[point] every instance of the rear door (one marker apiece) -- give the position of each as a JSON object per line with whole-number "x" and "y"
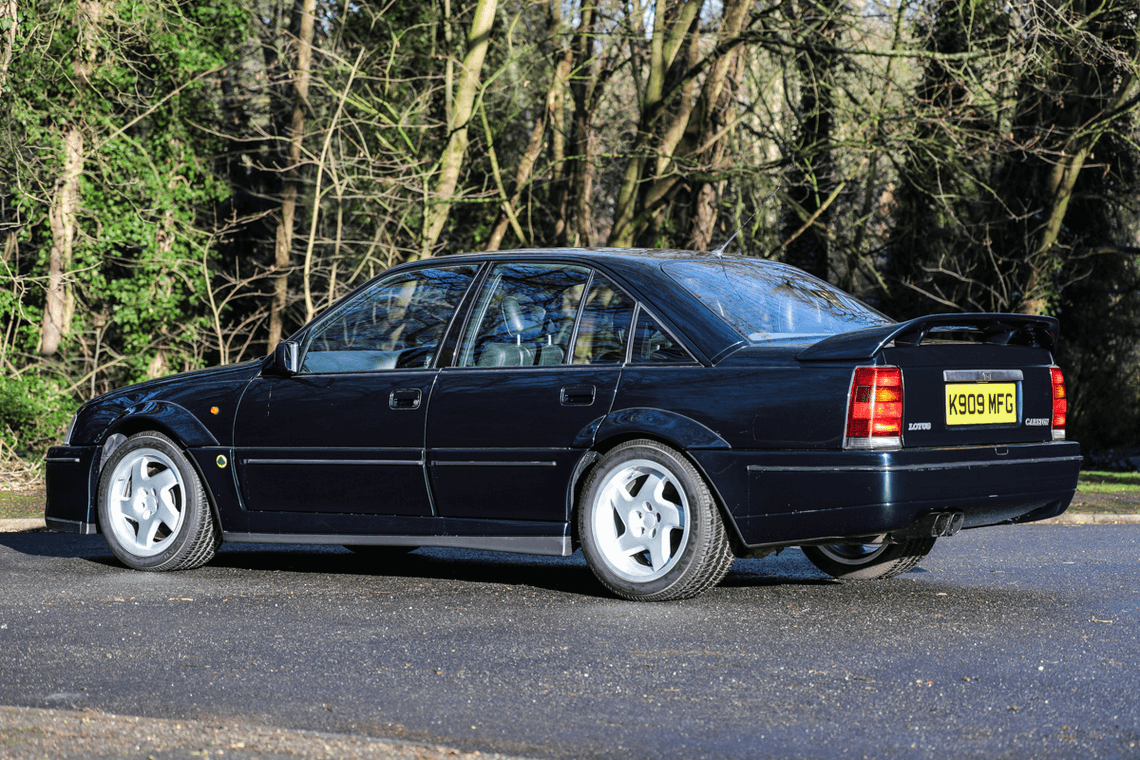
{"x": 537, "y": 366}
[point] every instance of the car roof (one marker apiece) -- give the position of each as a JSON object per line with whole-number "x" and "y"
{"x": 632, "y": 255}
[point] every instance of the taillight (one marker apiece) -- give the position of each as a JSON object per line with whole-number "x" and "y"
{"x": 875, "y": 409}
{"x": 1060, "y": 404}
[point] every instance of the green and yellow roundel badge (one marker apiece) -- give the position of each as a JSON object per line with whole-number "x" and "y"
{"x": 222, "y": 461}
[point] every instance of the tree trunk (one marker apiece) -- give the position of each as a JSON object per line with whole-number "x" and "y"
{"x": 8, "y": 30}
{"x": 551, "y": 114}
{"x": 575, "y": 222}
{"x": 1062, "y": 181}
{"x": 451, "y": 163}
{"x": 813, "y": 175}
{"x": 283, "y": 245}
{"x": 59, "y": 300}
{"x": 679, "y": 123}
{"x": 58, "y": 305}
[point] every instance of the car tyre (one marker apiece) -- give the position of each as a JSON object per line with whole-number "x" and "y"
{"x": 857, "y": 562}
{"x": 152, "y": 506}
{"x": 649, "y": 526}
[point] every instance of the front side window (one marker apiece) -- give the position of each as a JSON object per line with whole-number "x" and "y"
{"x": 395, "y": 324}
{"x": 767, "y": 302}
{"x": 524, "y": 317}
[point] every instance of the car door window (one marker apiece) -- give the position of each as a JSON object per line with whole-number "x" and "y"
{"x": 653, "y": 344}
{"x": 395, "y": 324}
{"x": 604, "y": 327}
{"x": 524, "y": 317}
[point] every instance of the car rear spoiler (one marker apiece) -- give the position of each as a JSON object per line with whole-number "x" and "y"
{"x": 994, "y": 329}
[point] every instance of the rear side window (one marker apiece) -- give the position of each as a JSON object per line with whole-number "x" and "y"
{"x": 768, "y": 302}
{"x": 524, "y": 316}
{"x": 604, "y": 328}
{"x": 653, "y": 344}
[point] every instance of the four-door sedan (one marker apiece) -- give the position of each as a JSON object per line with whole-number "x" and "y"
{"x": 665, "y": 411}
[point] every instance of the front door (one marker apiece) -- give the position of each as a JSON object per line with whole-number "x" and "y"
{"x": 346, "y": 433}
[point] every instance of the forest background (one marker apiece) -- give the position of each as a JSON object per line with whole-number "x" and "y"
{"x": 185, "y": 182}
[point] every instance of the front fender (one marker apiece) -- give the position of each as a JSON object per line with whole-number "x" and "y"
{"x": 164, "y": 416}
{"x": 73, "y": 471}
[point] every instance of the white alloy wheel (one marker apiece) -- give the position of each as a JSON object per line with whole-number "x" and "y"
{"x": 856, "y": 562}
{"x": 145, "y": 499}
{"x": 854, "y": 555}
{"x": 152, "y": 506}
{"x": 641, "y": 520}
{"x": 649, "y": 527}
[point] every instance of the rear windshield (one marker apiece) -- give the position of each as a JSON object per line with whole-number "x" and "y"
{"x": 768, "y": 302}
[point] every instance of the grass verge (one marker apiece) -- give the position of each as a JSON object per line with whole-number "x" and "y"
{"x": 21, "y": 504}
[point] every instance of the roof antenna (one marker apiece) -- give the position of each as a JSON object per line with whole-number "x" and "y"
{"x": 720, "y": 249}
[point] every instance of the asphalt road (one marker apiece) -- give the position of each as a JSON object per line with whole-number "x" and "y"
{"x": 1006, "y": 643}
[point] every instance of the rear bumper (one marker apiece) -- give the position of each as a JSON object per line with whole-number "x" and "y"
{"x": 805, "y": 496}
{"x": 70, "y": 508}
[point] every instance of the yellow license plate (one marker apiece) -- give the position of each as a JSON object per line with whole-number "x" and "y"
{"x": 981, "y": 403}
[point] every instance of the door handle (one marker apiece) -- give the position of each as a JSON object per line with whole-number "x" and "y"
{"x": 405, "y": 398}
{"x": 577, "y": 395}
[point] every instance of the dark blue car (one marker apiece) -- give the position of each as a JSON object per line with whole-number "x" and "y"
{"x": 665, "y": 411}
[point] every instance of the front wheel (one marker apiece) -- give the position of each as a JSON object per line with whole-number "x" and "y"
{"x": 649, "y": 527}
{"x": 153, "y": 508}
{"x": 855, "y": 562}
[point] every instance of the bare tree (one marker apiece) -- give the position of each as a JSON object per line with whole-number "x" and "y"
{"x": 283, "y": 249}
{"x": 461, "y": 97}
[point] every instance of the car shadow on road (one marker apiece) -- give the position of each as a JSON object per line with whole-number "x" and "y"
{"x": 45, "y": 543}
{"x": 562, "y": 574}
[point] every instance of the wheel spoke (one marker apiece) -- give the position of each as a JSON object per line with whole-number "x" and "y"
{"x": 162, "y": 481}
{"x": 138, "y": 474}
{"x": 629, "y": 544}
{"x": 651, "y": 489}
{"x": 148, "y": 528}
{"x": 167, "y": 510}
{"x": 661, "y": 549}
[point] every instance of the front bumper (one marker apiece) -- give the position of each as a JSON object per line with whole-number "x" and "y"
{"x": 70, "y": 486}
{"x": 793, "y": 497}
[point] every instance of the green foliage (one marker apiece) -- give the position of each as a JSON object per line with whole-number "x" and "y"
{"x": 34, "y": 411}
{"x": 136, "y": 83}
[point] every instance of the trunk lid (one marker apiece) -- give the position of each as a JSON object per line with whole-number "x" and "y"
{"x": 968, "y": 379}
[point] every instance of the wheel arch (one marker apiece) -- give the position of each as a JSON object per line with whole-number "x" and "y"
{"x": 679, "y": 433}
{"x": 172, "y": 421}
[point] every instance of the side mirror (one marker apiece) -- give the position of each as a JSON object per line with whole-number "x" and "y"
{"x": 287, "y": 357}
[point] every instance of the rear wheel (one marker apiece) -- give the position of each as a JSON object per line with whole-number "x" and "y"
{"x": 869, "y": 561}
{"x": 649, "y": 527}
{"x": 153, "y": 508}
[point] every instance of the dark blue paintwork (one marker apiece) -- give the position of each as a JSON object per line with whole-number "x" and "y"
{"x": 494, "y": 457}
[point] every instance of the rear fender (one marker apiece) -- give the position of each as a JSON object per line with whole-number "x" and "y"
{"x": 674, "y": 429}
{"x": 669, "y": 427}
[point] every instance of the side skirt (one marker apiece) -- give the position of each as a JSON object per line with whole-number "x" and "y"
{"x": 555, "y": 546}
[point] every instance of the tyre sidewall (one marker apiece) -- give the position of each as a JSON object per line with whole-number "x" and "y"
{"x": 699, "y": 501}
{"x": 194, "y": 505}
{"x": 895, "y": 560}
